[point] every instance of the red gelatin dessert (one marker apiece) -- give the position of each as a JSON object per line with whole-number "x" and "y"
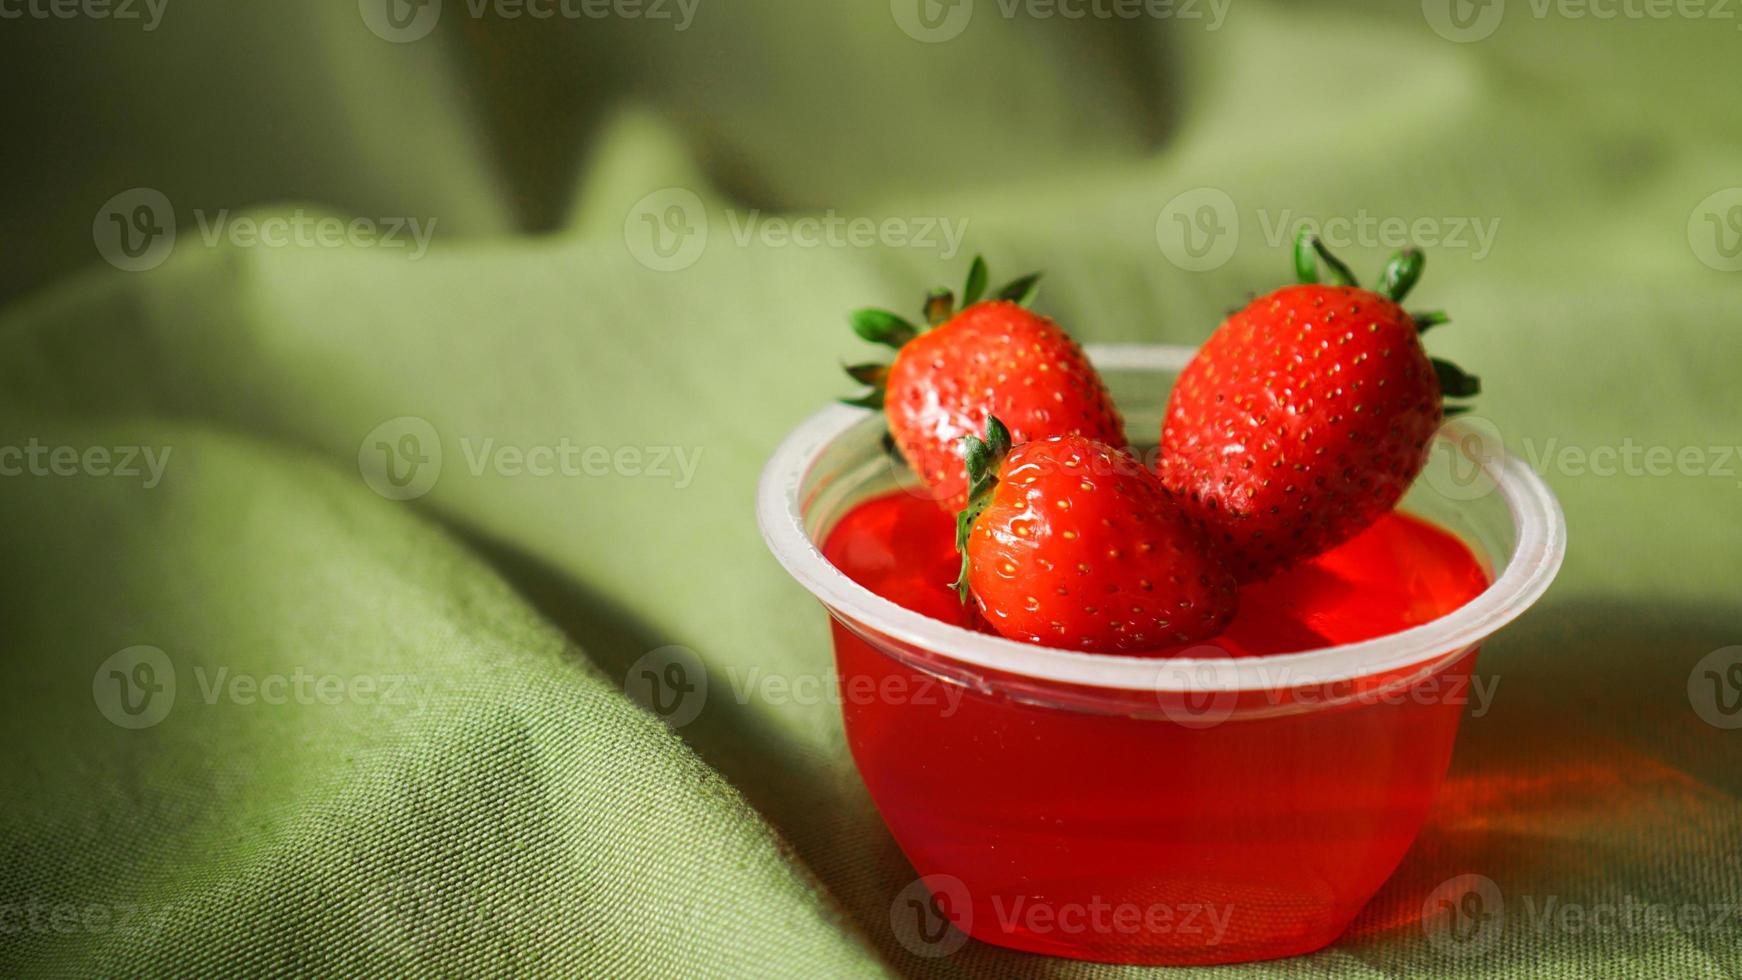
{"x": 1134, "y": 839}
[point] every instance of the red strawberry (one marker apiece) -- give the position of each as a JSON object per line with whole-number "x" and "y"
{"x": 1306, "y": 415}
{"x": 994, "y": 357}
{"x": 1072, "y": 543}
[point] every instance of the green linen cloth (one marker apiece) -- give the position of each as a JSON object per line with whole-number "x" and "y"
{"x": 260, "y": 715}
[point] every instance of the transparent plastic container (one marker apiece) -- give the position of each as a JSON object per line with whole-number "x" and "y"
{"x": 1190, "y": 810}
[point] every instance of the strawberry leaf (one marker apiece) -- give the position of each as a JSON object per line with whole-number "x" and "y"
{"x": 1427, "y": 321}
{"x": 939, "y": 306}
{"x": 981, "y": 458}
{"x": 1454, "y": 383}
{"x": 976, "y": 285}
{"x": 1401, "y": 274}
{"x": 1306, "y": 260}
{"x": 882, "y": 327}
{"x": 873, "y": 374}
{"x": 867, "y": 374}
{"x": 872, "y": 400}
{"x": 1339, "y": 273}
{"x": 1309, "y": 251}
{"x": 1021, "y": 291}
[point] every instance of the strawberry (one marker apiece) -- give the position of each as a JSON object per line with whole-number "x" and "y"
{"x": 1070, "y": 542}
{"x": 992, "y": 357}
{"x": 1307, "y": 414}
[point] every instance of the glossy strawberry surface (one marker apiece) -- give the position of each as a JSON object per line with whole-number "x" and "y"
{"x": 1080, "y": 547}
{"x": 1301, "y": 420}
{"x": 993, "y": 358}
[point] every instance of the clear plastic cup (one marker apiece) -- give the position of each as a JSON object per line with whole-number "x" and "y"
{"x": 1190, "y": 810}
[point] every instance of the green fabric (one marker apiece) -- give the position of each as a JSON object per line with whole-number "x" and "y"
{"x": 507, "y": 807}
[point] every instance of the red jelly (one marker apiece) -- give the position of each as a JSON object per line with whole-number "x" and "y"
{"x": 1119, "y": 832}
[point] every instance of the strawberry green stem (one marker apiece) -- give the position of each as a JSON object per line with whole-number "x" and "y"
{"x": 867, "y": 374}
{"x": 1309, "y": 251}
{"x": 872, "y": 400}
{"x": 1021, "y": 291}
{"x": 892, "y": 331}
{"x": 940, "y": 305}
{"x": 982, "y": 458}
{"x": 882, "y": 327}
{"x": 1427, "y": 321}
{"x": 1454, "y": 383}
{"x": 1401, "y": 274}
{"x": 873, "y": 374}
{"x": 1339, "y": 274}
{"x": 1306, "y": 260}
{"x": 976, "y": 284}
